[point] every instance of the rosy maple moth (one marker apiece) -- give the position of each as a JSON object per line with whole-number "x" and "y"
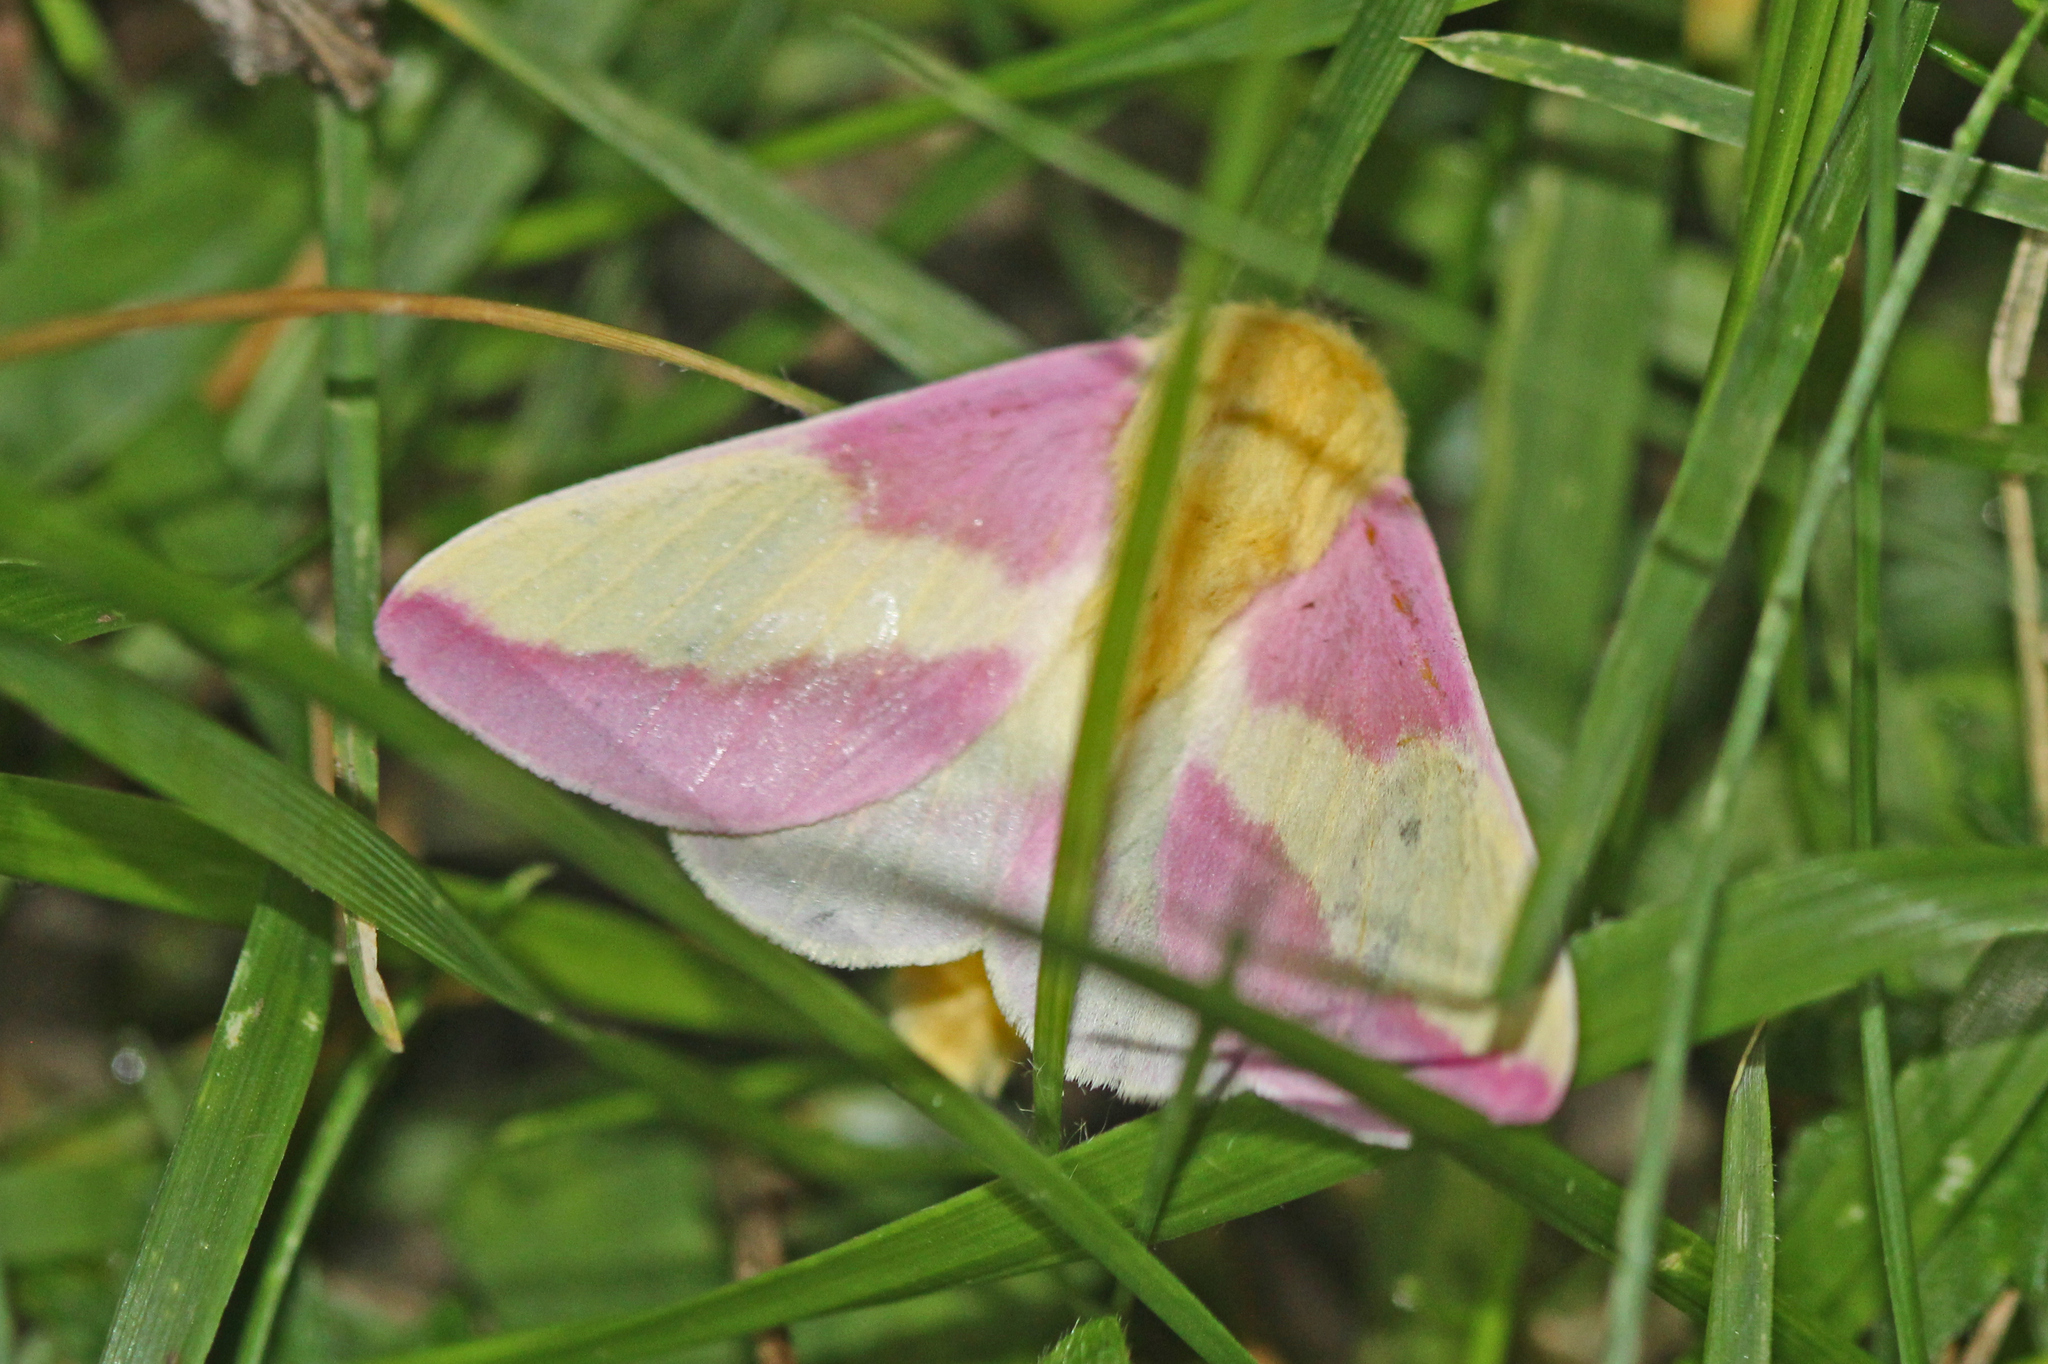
{"x": 844, "y": 661}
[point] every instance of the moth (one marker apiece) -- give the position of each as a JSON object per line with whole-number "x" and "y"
{"x": 844, "y": 661}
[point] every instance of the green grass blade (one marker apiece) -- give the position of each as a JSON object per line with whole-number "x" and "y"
{"x": 1800, "y": 934}
{"x": 80, "y": 43}
{"x": 34, "y": 601}
{"x": 1976, "y": 73}
{"x": 345, "y": 1107}
{"x": 351, "y": 444}
{"x": 1745, "y": 1248}
{"x": 1737, "y": 422}
{"x": 219, "y": 1177}
{"x": 2020, "y": 449}
{"x": 1252, "y": 1155}
{"x": 124, "y": 847}
{"x": 1771, "y": 167}
{"x": 1303, "y": 188}
{"x": 1710, "y": 109}
{"x": 1960, "y": 1111}
{"x": 1787, "y": 937}
{"x": 475, "y": 165}
{"x": 1197, "y": 34}
{"x": 1239, "y": 138}
{"x": 1641, "y": 1213}
{"x": 1427, "y": 318}
{"x": 1566, "y": 377}
{"x": 1553, "y": 1184}
{"x": 1099, "y": 1340}
{"x": 1880, "y": 1104}
{"x": 1888, "y": 1175}
{"x": 243, "y": 791}
{"x": 921, "y": 324}
{"x": 615, "y": 853}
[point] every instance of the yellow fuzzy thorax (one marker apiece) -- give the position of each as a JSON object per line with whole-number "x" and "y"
{"x": 1291, "y": 426}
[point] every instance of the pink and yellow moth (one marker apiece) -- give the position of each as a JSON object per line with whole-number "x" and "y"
{"x": 844, "y": 661}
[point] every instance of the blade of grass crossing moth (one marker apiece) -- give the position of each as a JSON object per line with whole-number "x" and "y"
{"x": 1702, "y": 107}
{"x": 219, "y": 1178}
{"x": 1563, "y": 387}
{"x": 1738, "y": 419}
{"x": 1745, "y": 1246}
{"x": 1431, "y": 320}
{"x": 1553, "y": 1184}
{"x": 1239, "y": 140}
{"x": 338, "y": 1121}
{"x": 1880, "y": 1103}
{"x": 1787, "y": 937}
{"x": 354, "y": 504}
{"x": 1179, "y": 1123}
{"x": 1303, "y": 187}
{"x": 1636, "y": 1236}
{"x": 921, "y": 324}
{"x": 616, "y": 854}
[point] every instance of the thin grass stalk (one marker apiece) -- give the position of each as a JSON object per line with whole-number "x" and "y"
{"x": 345, "y": 1109}
{"x": 1641, "y": 1211}
{"x": 1880, "y": 1104}
{"x": 1973, "y": 71}
{"x": 350, "y": 430}
{"x": 1242, "y": 138}
{"x": 1177, "y": 1125}
{"x": 1178, "y": 1128}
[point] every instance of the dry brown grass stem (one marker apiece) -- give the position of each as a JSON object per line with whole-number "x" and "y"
{"x": 255, "y": 305}
{"x": 2012, "y": 343}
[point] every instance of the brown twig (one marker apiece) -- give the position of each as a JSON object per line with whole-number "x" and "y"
{"x": 756, "y": 1198}
{"x": 1990, "y": 1332}
{"x": 2012, "y": 343}
{"x": 254, "y": 305}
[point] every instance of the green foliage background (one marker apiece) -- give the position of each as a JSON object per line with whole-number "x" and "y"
{"x": 1621, "y": 341}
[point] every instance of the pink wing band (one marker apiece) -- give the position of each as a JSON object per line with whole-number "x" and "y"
{"x": 1012, "y": 461}
{"x": 790, "y": 745}
{"x": 1365, "y": 641}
